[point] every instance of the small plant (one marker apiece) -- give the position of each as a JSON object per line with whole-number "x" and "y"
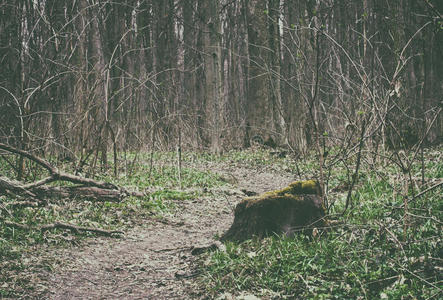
{"x": 367, "y": 254}
{"x": 21, "y": 226}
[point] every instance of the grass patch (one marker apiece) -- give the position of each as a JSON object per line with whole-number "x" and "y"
{"x": 19, "y": 247}
{"x": 377, "y": 250}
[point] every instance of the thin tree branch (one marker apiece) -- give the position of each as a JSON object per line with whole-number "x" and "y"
{"x": 61, "y": 225}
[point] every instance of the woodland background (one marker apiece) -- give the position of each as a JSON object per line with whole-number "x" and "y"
{"x": 84, "y": 77}
{"x": 167, "y": 94}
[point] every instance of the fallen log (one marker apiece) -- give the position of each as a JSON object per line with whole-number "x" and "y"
{"x": 40, "y": 191}
{"x": 295, "y": 208}
{"x": 42, "y": 194}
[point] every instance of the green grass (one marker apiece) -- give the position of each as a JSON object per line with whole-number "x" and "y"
{"x": 372, "y": 252}
{"x": 163, "y": 187}
{"x": 368, "y": 253}
{"x": 345, "y": 264}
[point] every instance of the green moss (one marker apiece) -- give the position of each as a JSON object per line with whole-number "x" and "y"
{"x": 293, "y": 192}
{"x": 292, "y": 209}
{"x": 305, "y": 187}
{"x": 271, "y": 196}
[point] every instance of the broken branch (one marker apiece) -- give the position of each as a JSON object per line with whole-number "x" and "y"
{"x": 61, "y": 225}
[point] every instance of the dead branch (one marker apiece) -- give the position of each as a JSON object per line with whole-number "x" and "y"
{"x": 61, "y": 225}
{"x": 84, "y": 188}
{"x": 426, "y": 191}
{"x": 56, "y": 174}
{"x": 22, "y": 204}
{"x": 8, "y": 186}
{"x": 28, "y": 155}
{"x": 16, "y": 189}
{"x": 80, "y": 228}
{"x": 5, "y": 209}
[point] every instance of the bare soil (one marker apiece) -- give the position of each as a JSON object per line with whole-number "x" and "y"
{"x": 154, "y": 261}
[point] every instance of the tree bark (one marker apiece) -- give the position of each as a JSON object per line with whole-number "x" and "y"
{"x": 213, "y": 67}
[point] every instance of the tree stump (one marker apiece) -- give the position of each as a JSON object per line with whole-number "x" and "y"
{"x": 295, "y": 208}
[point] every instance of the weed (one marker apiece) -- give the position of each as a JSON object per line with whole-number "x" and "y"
{"x": 375, "y": 251}
{"x": 160, "y": 183}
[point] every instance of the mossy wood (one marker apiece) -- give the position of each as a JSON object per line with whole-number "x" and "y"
{"x": 297, "y": 207}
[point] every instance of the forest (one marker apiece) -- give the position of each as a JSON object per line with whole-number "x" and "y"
{"x": 132, "y": 131}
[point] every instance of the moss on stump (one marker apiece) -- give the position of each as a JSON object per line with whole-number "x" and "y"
{"x": 297, "y": 207}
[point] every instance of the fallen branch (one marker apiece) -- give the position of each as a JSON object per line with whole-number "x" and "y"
{"x": 56, "y": 174}
{"x": 4, "y": 208}
{"x": 8, "y": 186}
{"x": 22, "y": 204}
{"x": 424, "y": 192}
{"x": 428, "y": 190}
{"x": 40, "y": 190}
{"x": 30, "y": 156}
{"x": 61, "y": 225}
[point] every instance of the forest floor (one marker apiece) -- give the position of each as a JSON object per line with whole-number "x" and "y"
{"x": 154, "y": 260}
{"x": 380, "y": 249}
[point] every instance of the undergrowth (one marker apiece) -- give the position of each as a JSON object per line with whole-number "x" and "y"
{"x": 376, "y": 250}
{"x": 160, "y": 181}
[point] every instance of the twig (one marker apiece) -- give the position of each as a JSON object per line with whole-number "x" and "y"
{"x": 361, "y": 285}
{"x": 229, "y": 203}
{"x": 357, "y": 165}
{"x": 64, "y": 226}
{"x": 393, "y": 237}
{"x": 17, "y": 225}
{"x": 424, "y": 192}
{"x": 80, "y": 228}
{"x": 3, "y": 207}
{"x": 10, "y": 187}
{"x": 39, "y": 183}
{"x": 425, "y": 217}
{"x": 427, "y": 190}
{"x": 22, "y": 204}
{"x": 88, "y": 187}
{"x": 420, "y": 278}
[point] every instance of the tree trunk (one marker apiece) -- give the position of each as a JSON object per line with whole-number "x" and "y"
{"x": 213, "y": 78}
{"x": 274, "y": 60}
{"x": 258, "y": 117}
{"x": 101, "y": 88}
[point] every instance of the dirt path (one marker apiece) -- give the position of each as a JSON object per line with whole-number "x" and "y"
{"x": 155, "y": 261}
